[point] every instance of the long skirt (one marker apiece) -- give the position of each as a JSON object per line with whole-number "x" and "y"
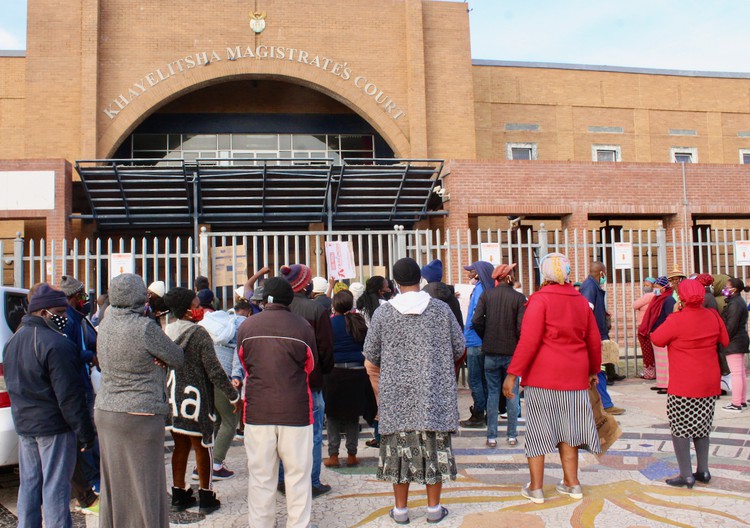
{"x": 690, "y": 417}
{"x": 555, "y": 416}
{"x": 133, "y": 478}
{"x": 647, "y": 351}
{"x": 662, "y": 367}
{"x": 424, "y": 457}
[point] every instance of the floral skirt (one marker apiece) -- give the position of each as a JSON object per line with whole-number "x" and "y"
{"x": 424, "y": 457}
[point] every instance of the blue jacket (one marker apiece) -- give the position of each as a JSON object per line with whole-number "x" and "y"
{"x": 43, "y": 377}
{"x": 486, "y": 283}
{"x": 594, "y": 294}
{"x": 82, "y": 333}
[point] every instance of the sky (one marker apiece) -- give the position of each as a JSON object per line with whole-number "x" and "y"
{"x": 703, "y": 35}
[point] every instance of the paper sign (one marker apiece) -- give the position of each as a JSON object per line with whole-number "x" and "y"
{"x": 120, "y": 263}
{"x": 623, "y": 255}
{"x": 490, "y": 252}
{"x": 742, "y": 252}
{"x": 228, "y": 271}
{"x": 340, "y": 260}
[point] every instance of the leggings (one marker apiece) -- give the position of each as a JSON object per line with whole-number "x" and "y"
{"x": 739, "y": 380}
{"x": 203, "y": 459}
{"x": 647, "y": 351}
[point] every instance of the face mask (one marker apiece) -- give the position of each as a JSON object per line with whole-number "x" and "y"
{"x": 602, "y": 281}
{"x": 57, "y": 322}
{"x": 657, "y": 291}
{"x": 647, "y": 289}
{"x": 727, "y": 292}
{"x": 196, "y": 314}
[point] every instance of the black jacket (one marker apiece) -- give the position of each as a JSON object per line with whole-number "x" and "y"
{"x": 440, "y": 290}
{"x": 735, "y": 319}
{"x": 43, "y": 375}
{"x": 497, "y": 319}
{"x": 320, "y": 320}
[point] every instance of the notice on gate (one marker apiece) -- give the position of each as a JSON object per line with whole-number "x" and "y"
{"x": 228, "y": 271}
{"x": 742, "y": 252}
{"x": 120, "y": 263}
{"x": 623, "y": 255}
{"x": 340, "y": 260}
{"x": 490, "y": 252}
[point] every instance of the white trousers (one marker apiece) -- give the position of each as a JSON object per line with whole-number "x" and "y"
{"x": 265, "y": 446}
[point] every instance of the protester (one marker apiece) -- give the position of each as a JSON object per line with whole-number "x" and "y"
{"x": 102, "y": 303}
{"x": 557, "y": 358}
{"x": 415, "y": 339}
{"x": 376, "y": 288}
{"x": 206, "y": 300}
{"x": 299, "y": 277}
{"x": 675, "y": 277}
{"x": 691, "y": 336}
{"x": 42, "y": 372}
{"x": 735, "y": 319}
{"x": 201, "y": 283}
{"x": 357, "y": 289}
{"x": 647, "y": 351}
{"x": 480, "y": 276}
{"x": 130, "y": 409}
{"x": 278, "y": 352}
{"x": 347, "y": 385}
{"x": 658, "y": 309}
{"x": 155, "y": 299}
{"x": 242, "y": 308}
{"x": 433, "y": 274}
{"x": 191, "y": 396}
{"x": 321, "y": 292}
{"x": 709, "y": 301}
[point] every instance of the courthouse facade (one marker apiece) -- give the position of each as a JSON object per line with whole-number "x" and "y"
{"x": 171, "y": 84}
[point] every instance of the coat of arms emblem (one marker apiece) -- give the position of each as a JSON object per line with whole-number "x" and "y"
{"x": 258, "y": 21}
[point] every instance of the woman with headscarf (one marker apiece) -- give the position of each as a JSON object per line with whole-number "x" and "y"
{"x": 557, "y": 358}
{"x": 658, "y": 309}
{"x": 691, "y": 335}
{"x": 641, "y": 307}
{"x": 735, "y": 319}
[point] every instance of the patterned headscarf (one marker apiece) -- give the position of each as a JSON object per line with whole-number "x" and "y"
{"x": 662, "y": 281}
{"x": 339, "y": 286}
{"x": 555, "y": 267}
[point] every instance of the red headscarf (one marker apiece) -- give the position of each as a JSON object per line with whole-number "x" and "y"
{"x": 705, "y": 279}
{"x": 691, "y": 292}
{"x": 654, "y": 310}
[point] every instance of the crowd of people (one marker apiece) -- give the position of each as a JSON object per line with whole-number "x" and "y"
{"x": 92, "y": 390}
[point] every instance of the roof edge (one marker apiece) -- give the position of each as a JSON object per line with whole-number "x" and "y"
{"x": 12, "y": 53}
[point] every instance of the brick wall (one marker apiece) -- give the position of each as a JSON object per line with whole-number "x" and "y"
{"x": 12, "y": 106}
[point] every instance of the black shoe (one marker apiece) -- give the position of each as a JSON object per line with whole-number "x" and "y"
{"x": 372, "y": 443}
{"x": 322, "y": 489}
{"x": 610, "y": 382}
{"x": 182, "y": 499}
{"x": 704, "y": 477}
{"x": 208, "y": 502}
{"x": 281, "y": 488}
{"x": 476, "y": 421}
{"x": 661, "y": 391}
{"x": 680, "y": 481}
{"x": 655, "y": 388}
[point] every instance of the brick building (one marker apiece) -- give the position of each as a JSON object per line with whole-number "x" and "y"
{"x": 568, "y": 145}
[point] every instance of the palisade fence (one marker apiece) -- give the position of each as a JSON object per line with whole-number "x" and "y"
{"x": 178, "y": 260}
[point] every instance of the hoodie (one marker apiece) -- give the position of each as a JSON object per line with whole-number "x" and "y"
{"x": 222, "y": 327}
{"x": 719, "y": 282}
{"x": 486, "y": 282}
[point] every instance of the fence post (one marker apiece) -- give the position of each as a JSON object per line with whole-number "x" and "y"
{"x": 400, "y": 242}
{"x": 204, "y": 254}
{"x": 18, "y": 261}
{"x": 543, "y": 244}
{"x": 661, "y": 249}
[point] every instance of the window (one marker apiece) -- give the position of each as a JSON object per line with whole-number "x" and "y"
{"x": 745, "y": 156}
{"x": 520, "y": 151}
{"x": 605, "y": 153}
{"x": 683, "y": 154}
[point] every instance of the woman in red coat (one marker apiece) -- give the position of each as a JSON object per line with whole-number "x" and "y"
{"x": 691, "y": 336}
{"x": 557, "y": 358}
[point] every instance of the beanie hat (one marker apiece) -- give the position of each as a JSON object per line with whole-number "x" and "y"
{"x": 297, "y": 275}
{"x": 340, "y": 286}
{"x": 502, "y": 271}
{"x": 70, "y": 286}
{"x": 662, "y": 281}
{"x": 705, "y": 279}
{"x": 357, "y": 289}
{"x": 433, "y": 272}
{"x": 158, "y": 288}
{"x": 206, "y": 297}
{"x": 320, "y": 285}
{"x": 278, "y": 290}
{"x": 179, "y": 300}
{"x": 127, "y": 290}
{"x": 47, "y": 297}
{"x": 406, "y": 272}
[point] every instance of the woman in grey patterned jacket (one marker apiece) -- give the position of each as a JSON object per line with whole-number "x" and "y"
{"x": 415, "y": 340}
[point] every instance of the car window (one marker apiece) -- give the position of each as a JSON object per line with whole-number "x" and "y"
{"x": 15, "y": 309}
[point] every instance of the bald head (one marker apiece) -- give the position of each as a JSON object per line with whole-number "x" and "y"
{"x": 597, "y": 270}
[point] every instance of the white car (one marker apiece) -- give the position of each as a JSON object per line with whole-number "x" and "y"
{"x": 13, "y": 304}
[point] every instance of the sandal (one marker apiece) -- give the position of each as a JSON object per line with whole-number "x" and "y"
{"x": 491, "y": 443}
{"x": 399, "y": 519}
{"x": 437, "y": 517}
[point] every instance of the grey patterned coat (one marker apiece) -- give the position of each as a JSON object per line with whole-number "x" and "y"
{"x": 416, "y": 355}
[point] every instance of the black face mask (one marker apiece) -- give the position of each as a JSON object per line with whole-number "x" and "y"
{"x": 57, "y": 322}
{"x": 158, "y": 306}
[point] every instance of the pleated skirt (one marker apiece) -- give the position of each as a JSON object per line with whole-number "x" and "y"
{"x": 555, "y": 416}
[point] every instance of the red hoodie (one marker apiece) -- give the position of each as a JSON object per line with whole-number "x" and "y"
{"x": 560, "y": 345}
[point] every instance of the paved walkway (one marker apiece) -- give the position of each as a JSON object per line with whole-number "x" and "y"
{"x": 624, "y": 488}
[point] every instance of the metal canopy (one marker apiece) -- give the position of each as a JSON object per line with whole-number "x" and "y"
{"x": 129, "y": 193}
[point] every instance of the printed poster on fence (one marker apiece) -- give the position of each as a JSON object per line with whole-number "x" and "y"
{"x": 742, "y": 252}
{"x": 623, "y": 255}
{"x": 228, "y": 271}
{"x": 490, "y": 252}
{"x": 340, "y": 260}
{"x": 120, "y": 263}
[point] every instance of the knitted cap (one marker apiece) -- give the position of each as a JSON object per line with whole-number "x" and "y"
{"x": 406, "y": 272}
{"x": 158, "y": 288}
{"x": 278, "y": 290}
{"x": 433, "y": 272}
{"x": 179, "y": 300}
{"x": 662, "y": 281}
{"x": 206, "y": 297}
{"x": 297, "y": 275}
{"x": 357, "y": 289}
{"x": 70, "y": 286}
{"x": 127, "y": 290}
{"x": 320, "y": 285}
{"x": 46, "y": 297}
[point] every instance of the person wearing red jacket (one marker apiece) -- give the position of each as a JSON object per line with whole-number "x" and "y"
{"x": 691, "y": 336}
{"x": 557, "y": 358}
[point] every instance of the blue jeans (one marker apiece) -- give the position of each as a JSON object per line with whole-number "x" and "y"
{"x": 46, "y": 466}
{"x": 602, "y": 388}
{"x": 495, "y": 370}
{"x": 319, "y": 413}
{"x": 477, "y": 381}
